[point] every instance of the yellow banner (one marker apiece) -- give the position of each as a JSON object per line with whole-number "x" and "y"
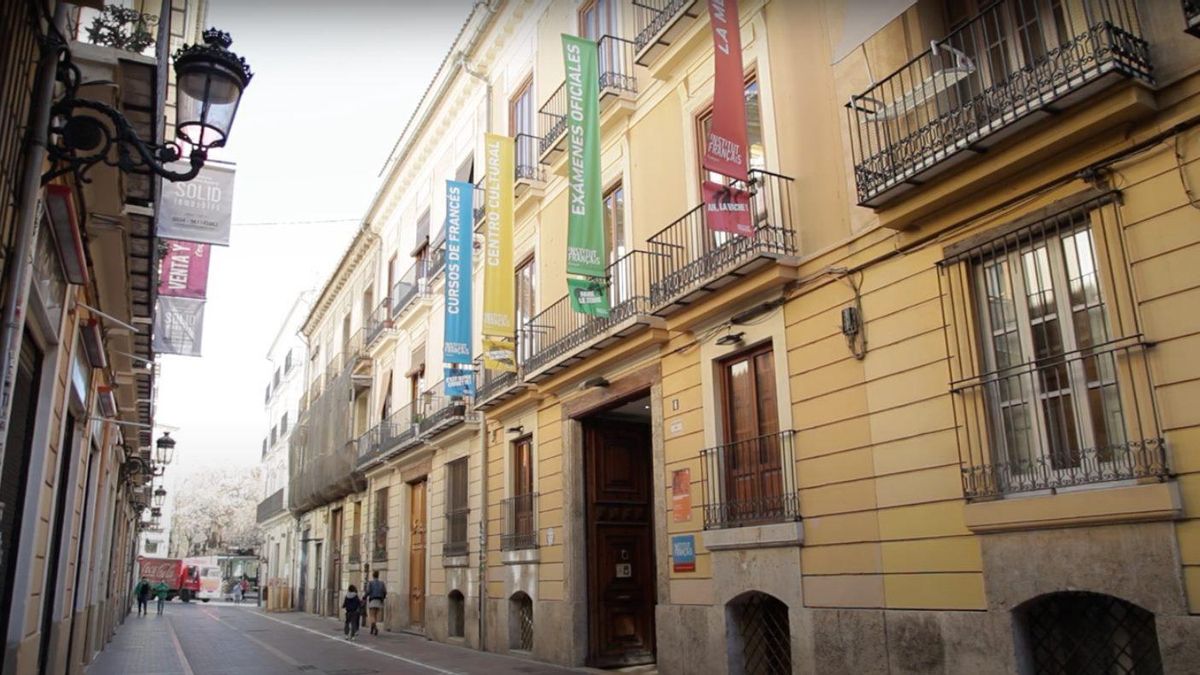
{"x": 498, "y": 282}
{"x": 499, "y": 354}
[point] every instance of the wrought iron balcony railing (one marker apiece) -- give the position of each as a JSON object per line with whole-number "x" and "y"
{"x": 379, "y": 550}
{"x": 271, "y": 506}
{"x": 492, "y": 386}
{"x": 658, "y": 23}
{"x": 437, "y": 412}
{"x": 527, "y": 168}
{"x": 559, "y": 335}
{"x": 1022, "y": 442}
{"x": 1191, "y": 16}
{"x": 974, "y": 87}
{"x": 690, "y": 259}
{"x": 395, "y": 434}
{"x": 617, "y": 78}
{"x": 519, "y": 529}
{"x": 377, "y": 324}
{"x": 750, "y": 482}
{"x": 456, "y": 543}
{"x": 417, "y": 280}
{"x": 334, "y": 368}
{"x": 479, "y": 203}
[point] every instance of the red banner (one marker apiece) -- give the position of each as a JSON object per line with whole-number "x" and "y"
{"x": 727, "y": 209}
{"x": 726, "y": 149}
{"x": 184, "y": 271}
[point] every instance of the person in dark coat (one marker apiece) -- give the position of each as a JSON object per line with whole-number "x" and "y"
{"x": 353, "y": 606}
{"x": 142, "y": 591}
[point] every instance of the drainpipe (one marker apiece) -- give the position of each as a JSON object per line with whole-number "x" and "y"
{"x": 483, "y": 453}
{"x": 28, "y": 217}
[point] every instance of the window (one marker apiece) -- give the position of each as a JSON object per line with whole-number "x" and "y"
{"x": 283, "y": 424}
{"x": 274, "y": 434}
{"x": 1052, "y": 388}
{"x": 421, "y": 245}
{"x": 346, "y": 346}
{"x": 1038, "y": 304}
{"x": 614, "y": 221}
{"x": 267, "y": 398}
{"x": 1009, "y": 36}
{"x": 456, "y": 508}
{"x": 379, "y": 552}
{"x": 754, "y": 132}
{"x": 522, "y": 466}
{"x": 752, "y": 458}
{"x": 275, "y": 381}
{"x": 520, "y": 126}
{"x": 368, "y": 304}
{"x": 597, "y": 18}
{"x": 356, "y": 534}
{"x": 287, "y": 362}
{"x": 526, "y": 292}
{"x": 151, "y": 547}
{"x": 466, "y": 170}
{"x": 519, "y": 531}
{"x": 391, "y": 279}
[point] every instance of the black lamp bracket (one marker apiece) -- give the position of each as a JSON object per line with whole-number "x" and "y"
{"x": 83, "y": 133}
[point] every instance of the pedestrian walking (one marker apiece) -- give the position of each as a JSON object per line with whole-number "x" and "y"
{"x": 245, "y": 584}
{"x": 353, "y": 606}
{"x": 160, "y": 594}
{"x": 376, "y": 591}
{"x": 142, "y": 591}
{"x": 236, "y": 590}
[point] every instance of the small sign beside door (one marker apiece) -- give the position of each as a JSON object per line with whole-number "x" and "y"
{"x": 683, "y": 553}
{"x": 624, "y": 570}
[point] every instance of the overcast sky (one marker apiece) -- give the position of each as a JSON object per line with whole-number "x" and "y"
{"x": 334, "y": 83}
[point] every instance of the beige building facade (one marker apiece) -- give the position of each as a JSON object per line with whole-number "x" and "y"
{"x": 934, "y": 416}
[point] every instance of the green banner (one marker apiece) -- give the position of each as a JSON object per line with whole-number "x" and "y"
{"x": 586, "y": 248}
{"x": 588, "y": 296}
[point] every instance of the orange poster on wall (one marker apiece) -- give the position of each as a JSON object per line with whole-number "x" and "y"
{"x": 681, "y": 495}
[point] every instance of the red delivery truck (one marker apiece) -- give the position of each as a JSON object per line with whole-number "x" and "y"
{"x": 181, "y": 579}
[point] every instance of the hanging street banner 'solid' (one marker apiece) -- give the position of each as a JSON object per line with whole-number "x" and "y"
{"x": 199, "y": 210}
{"x": 178, "y": 326}
{"x": 499, "y": 333}
{"x": 184, "y": 270}
{"x": 457, "y": 345}
{"x": 586, "y": 249}
{"x": 726, "y": 150}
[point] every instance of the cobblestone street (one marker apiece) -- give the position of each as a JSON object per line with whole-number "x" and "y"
{"x": 198, "y": 639}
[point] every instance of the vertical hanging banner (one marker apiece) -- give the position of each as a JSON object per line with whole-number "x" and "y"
{"x": 499, "y": 334}
{"x": 586, "y": 249}
{"x": 457, "y": 345}
{"x": 727, "y": 209}
{"x": 184, "y": 271}
{"x": 178, "y": 326}
{"x": 198, "y": 210}
{"x": 726, "y": 150}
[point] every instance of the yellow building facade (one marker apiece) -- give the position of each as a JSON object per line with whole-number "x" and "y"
{"x": 934, "y": 416}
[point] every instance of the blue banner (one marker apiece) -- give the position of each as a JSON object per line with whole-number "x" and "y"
{"x": 459, "y": 382}
{"x": 459, "y": 217}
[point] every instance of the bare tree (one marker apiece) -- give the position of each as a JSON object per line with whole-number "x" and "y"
{"x": 215, "y": 511}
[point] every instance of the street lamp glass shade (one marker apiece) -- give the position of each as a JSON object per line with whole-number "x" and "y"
{"x": 165, "y": 447}
{"x": 209, "y": 81}
{"x": 160, "y": 496}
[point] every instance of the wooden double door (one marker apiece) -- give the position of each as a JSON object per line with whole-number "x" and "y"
{"x": 416, "y": 553}
{"x": 620, "y": 542}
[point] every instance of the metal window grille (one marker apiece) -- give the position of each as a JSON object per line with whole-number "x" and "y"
{"x": 1052, "y": 386}
{"x": 520, "y": 528}
{"x": 765, "y": 633}
{"x": 522, "y": 615}
{"x": 1088, "y": 633}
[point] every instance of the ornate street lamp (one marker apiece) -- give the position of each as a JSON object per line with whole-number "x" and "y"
{"x": 165, "y": 447}
{"x": 210, "y": 80}
{"x": 160, "y": 496}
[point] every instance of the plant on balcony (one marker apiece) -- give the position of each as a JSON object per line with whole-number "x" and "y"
{"x": 122, "y": 28}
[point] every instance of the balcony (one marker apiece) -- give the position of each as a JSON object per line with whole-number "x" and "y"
{"x": 438, "y": 413}
{"x": 526, "y": 167}
{"x": 356, "y": 359}
{"x": 456, "y": 543}
{"x": 691, "y": 261}
{"x": 981, "y": 85}
{"x": 1024, "y": 448}
{"x": 271, "y": 507}
{"x": 1191, "y": 16}
{"x": 617, "y": 80}
{"x": 393, "y": 435}
{"x": 378, "y": 326}
{"x": 559, "y": 336}
{"x": 417, "y": 280}
{"x": 333, "y": 369}
{"x": 659, "y": 23}
{"x": 519, "y": 528}
{"x": 750, "y": 482}
{"x": 493, "y": 387}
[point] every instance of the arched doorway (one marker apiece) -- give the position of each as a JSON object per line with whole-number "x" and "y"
{"x": 1079, "y": 632}
{"x": 759, "y": 635}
